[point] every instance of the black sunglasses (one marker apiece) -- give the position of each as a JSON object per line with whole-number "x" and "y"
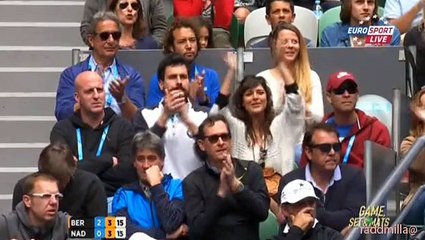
{"x": 341, "y": 90}
{"x": 105, "y": 35}
{"x": 134, "y": 5}
{"x": 327, "y": 147}
{"x": 214, "y": 138}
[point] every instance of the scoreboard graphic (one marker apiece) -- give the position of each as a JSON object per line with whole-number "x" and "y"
{"x": 97, "y": 228}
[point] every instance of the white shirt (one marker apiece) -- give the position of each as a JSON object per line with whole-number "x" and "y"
{"x": 180, "y": 157}
{"x": 336, "y": 177}
{"x": 396, "y": 8}
{"x": 278, "y": 90}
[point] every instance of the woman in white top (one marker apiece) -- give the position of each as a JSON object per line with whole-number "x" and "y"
{"x": 260, "y": 135}
{"x": 294, "y": 55}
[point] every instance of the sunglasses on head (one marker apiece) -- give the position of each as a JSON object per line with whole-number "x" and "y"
{"x": 134, "y": 5}
{"x": 327, "y": 147}
{"x": 214, "y": 138}
{"x": 105, "y": 35}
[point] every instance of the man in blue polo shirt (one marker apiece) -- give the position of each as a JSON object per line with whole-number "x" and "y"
{"x": 182, "y": 39}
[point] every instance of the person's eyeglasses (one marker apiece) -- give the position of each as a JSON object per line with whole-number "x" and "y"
{"x": 105, "y": 35}
{"x": 341, "y": 90}
{"x": 327, "y": 147}
{"x": 214, "y": 138}
{"x": 47, "y": 196}
{"x": 134, "y": 5}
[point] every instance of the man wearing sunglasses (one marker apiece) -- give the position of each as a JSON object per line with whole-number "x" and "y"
{"x": 341, "y": 188}
{"x": 153, "y": 15}
{"x": 225, "y": 199}
{"x": 182, "y": 38}
{"x": 36, "y": 216}
{"x": 353, "y": 125}
{"x": 104, "y": 33}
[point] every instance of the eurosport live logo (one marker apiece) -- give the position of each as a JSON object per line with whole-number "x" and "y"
{"x": 373, "y": 35}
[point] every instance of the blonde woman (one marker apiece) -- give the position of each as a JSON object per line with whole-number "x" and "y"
{"x": 288, "y": 46}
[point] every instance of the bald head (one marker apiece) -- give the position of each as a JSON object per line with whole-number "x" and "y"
{"x": 89, "y": 93}
{"x": 84, "y": 77}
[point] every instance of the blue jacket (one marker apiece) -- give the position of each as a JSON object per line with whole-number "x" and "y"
{"x": 211, "y": 83}
{"x": 161, "y": 214}
{"x": 336, "y": 35}
{"x": 65, "y": 94}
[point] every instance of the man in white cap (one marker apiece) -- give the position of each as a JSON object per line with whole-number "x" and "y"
{"x": 299, "y": 208}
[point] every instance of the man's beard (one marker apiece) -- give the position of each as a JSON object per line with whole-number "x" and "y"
{"x": 181, "y": 88}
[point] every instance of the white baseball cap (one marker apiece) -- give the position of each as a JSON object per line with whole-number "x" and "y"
{"x": 296, "y": 191}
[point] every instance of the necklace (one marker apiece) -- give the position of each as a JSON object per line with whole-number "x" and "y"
{"x": 262, "y": 153}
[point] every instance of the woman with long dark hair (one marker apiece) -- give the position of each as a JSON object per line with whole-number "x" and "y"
{"x": 135, "y": 34}
{"x": 262, "y": 135}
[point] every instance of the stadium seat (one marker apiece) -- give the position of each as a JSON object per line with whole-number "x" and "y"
{"x": 328, "y": 18}
{"x": 269, "y": 227}
{"x": 256, "y": 26}
{"x": 236, "y": 32}
{"x": 307, "y": 23}
{"x": 376, "y": 106}
{"x": 170, "y": 20}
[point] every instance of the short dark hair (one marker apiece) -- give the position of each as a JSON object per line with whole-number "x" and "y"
{"x": 57, "y": 160}
{"x": 269, "y": 5}
{"x": 148, "y": 140}
{"x": 308, "y": 136}
{"x": 31, "y": 179}
{"x": 172, "y": 59}
{"x": 208, "y": 122}
{"x": 177, "y": 24}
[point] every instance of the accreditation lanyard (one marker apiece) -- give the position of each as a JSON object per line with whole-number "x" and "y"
{"x": 349, "y": 147}
{"x": 99, "y": 148}
{"x": 107, "y": 79}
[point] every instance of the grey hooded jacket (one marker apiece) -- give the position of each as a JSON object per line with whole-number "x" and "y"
{"x": 15, "y": 225}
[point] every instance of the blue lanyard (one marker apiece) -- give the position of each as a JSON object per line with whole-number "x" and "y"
{"x": 99, "y": 148}
{"x": 114, "y": 71}
{"x": 349, "y": 147}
